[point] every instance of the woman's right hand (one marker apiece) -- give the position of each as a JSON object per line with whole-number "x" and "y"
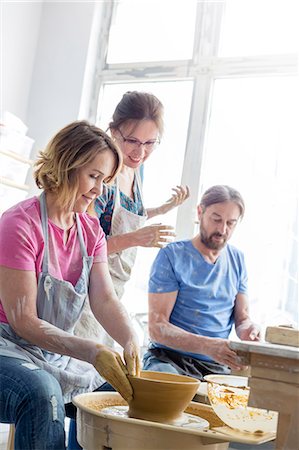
{"x": 156, "y": 235}
{"x": 110, "y": 365}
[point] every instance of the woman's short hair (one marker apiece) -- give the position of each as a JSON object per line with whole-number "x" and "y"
{"x": 220, "y": 194}
{"x": 74, "y": 146}
{"x": 135, "y": 106}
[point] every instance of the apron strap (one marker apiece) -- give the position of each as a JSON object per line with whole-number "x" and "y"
{"x": 80, "y": 235}
{"x": 44, "y": 217}
{"x": 117, "y": 194}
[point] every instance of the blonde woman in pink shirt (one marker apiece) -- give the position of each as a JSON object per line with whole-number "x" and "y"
{"x": 52, "y": 253}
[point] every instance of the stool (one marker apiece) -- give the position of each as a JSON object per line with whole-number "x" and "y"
{"x": 201, "y": 395}
{"x": 11, "y": 437}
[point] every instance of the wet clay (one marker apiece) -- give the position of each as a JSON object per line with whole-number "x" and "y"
{"x": 161, "y": 397}
{"x": 185, "y": 421}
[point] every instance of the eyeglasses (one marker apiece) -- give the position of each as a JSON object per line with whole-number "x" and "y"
{"x": 133, "y": 143}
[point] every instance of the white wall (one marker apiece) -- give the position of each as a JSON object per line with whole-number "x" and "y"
{"x": 59, "y": 67}
{"x": 20, "y": 23}
{"x": 45, "y": 48}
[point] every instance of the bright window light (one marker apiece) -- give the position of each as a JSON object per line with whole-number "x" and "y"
{"x": 260, "y": 27}
{"x": 252, "y": 145}
{"x": 151, "y": 30}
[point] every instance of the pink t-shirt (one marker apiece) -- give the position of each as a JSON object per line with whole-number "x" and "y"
{"x": 22, "y": 243}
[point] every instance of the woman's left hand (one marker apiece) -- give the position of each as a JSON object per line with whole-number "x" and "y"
{"x": 181, "y": 193}
{"x": 132, "y": 358}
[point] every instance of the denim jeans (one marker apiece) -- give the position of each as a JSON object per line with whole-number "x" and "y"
{"x": 168, "y": 360}
{"x": 152, "y": 363}
{"x": 31, "y": 398}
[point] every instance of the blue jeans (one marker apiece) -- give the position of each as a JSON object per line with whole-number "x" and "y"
{"x": 167, "y": 360}
{"x": 151, "y": 362}
{"x": 31, "y": 398}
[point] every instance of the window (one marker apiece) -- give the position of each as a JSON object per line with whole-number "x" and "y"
{"x": 255, "y": 148}
{"x": 263, "y": 27}
{"x": 227, "y": 73}
{"x": 161, "y": 31}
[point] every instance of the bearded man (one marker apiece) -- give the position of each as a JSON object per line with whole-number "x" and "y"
{"x": 198, "y": 291}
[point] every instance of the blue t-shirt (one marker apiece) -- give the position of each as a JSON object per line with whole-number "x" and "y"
{"x": 206, "y": 292}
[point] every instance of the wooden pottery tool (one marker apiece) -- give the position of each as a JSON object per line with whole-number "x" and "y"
{"x": 282, "y": 334}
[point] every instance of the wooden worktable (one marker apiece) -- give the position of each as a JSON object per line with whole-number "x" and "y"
{"x": 274, "y": 385}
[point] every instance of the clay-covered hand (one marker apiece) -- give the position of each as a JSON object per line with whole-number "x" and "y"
{"x": 110, "y": 365}
{"x": 249, "y": 331}
{"x": 219, "y": 350}
{"x": 156, "y": 235}
{"x": 180, "y": 194}
{"x": 132, "y": 358}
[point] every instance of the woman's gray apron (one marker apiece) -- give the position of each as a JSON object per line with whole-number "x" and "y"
{"x": 124, "y": 221}
{"x": 60, "y": 304}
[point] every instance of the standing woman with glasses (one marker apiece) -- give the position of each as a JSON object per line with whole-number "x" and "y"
{"x": 137, "y": 128}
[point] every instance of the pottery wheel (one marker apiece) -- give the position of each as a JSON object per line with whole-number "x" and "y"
{"x": 186, "y": 420}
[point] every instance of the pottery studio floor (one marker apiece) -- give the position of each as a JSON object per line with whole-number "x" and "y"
{"x": 266, "y": 446}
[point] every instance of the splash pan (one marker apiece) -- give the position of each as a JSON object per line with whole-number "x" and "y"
{"x": 229, "y": 396}
{"x": 200, "y": 428}
{"x": 185, "y": 419}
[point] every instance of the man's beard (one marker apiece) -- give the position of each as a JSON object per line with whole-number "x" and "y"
{"x": 208, "y": 240}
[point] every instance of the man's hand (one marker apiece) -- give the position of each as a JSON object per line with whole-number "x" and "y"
{"x": 110, "y": 365}
{"x": 249, "y": 331}
{"x": 219, "y": 350}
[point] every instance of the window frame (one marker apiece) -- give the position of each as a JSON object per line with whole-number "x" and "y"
{"x": 204, "y": 68}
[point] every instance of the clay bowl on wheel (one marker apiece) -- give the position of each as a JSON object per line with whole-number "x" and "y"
{"x": 160, "y": 396}
{"x": 228, "y": 395}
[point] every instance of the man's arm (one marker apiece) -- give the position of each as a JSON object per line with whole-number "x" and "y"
{"x": 163, "y": 332}
{"x": 246, "y": 330}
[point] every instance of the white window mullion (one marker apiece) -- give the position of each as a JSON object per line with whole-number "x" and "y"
{"x": 96, "y": 62}
{"x": 194, "y": 155}
{"x": 206, "y": 42}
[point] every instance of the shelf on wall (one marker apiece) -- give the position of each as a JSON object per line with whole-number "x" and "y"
{"x": 11, "y": 183}
{"x": 16, "y": 156}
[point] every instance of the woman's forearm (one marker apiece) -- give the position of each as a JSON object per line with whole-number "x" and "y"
{"x": 120, "y": 242}
{"x": 120, "y": 328}
{"x": 50, "y": 338}
{"x": 153, "y": 212}
{"x": 180, "y": 194}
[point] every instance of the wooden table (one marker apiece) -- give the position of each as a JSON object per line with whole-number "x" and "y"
{"x": 274, "y": 385}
